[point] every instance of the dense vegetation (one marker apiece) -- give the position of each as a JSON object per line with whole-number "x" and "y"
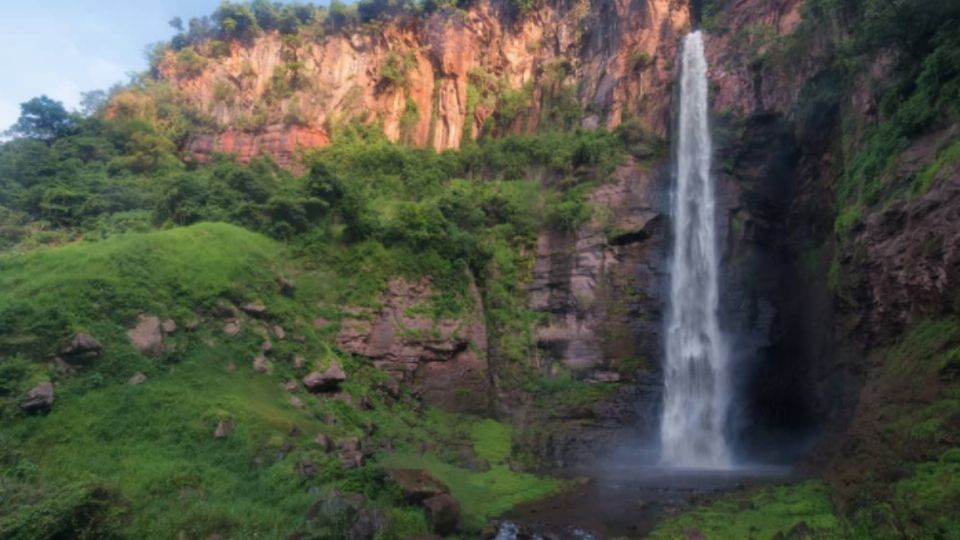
{"x": 102, "y": 221}
{"x": 103, "y": 218}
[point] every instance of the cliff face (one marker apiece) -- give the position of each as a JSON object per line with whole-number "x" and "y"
{"x": 434, "y": 81}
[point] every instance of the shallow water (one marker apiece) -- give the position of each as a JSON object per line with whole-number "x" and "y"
{"x": 626, "y": 501}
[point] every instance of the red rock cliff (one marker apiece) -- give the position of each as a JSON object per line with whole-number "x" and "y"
{"x": 434, "y": 80}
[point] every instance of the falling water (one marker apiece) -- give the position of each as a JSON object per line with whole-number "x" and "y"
{"x": 696, "y": 389}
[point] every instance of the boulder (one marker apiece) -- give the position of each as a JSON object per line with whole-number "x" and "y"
{"x": 192, "y": 325}
{"x": 326, "y": 381}
{"x": 351, "y": 459}
{"x": 262, "y": 365}
{"x": 370, "y": 523}
{"x": 443, "y": 513}
{"x": 168, "y": 326}
{"x": 291, "y": 386}
{"x": 231, "y": 327}
{"x": 325, "y": 443}
{"x": 307, "y": 469}
{"x": 223, "y": 310}
{"x": 298, "y": 362}
{"x": 296, "y": 402}
{"x": 224, "y": 428}
{"x": 417, "y": 485}
{"x": 351, "y": 453}
{"x": 39, "y": 398}
{"x": 350, "y": 444}
{"x": 80, "y": 348}
{"x": 287, "y": 286}
{"x": 279, "y": 332}
{"x": 137, "y": 379}
{"x": 254, "y": 309}
{"x": 147, "y": 335}
{"x": 266, "y": 347}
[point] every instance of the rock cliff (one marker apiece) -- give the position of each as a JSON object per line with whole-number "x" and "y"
{"x": 436, "y": 80}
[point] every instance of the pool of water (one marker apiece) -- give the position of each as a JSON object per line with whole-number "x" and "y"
{"x": 625, "y": 501}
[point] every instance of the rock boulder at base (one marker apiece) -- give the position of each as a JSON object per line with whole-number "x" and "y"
{"x": 147, "y": 335}
{"x": 137, "y": 378}
{"x": 327, "y": 381}
{"x": 80, "y": 348}
{"x": 417, "y": 485}
{"x": 39, "y": 398}
{"x": 443, "y": 513}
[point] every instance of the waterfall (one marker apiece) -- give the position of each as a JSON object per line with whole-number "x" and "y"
{"x": 696, "y": 386}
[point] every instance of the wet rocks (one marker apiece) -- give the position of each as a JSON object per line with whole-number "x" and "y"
{"x": 80, "y": 349}
{"x": 326, "y": 381}
{"x": 39, "y": 398}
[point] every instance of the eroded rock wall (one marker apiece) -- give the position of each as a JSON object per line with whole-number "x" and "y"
{"x": 616, "y": 55}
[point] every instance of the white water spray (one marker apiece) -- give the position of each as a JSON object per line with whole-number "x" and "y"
{"x": 696, "y": 385}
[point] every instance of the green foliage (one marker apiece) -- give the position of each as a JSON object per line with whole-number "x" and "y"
{"x": 236, "y": 21}
{"x": 409, "y": 120}
{"x": 482, "y": 494}
{"x": 42, "y": 118}
{"x": 189, "y": 63}
{"x": 759, "y": 514}
{"x": 395, "y": 68}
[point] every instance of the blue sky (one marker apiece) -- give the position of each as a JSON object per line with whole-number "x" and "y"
{"x": 63, "y": 47}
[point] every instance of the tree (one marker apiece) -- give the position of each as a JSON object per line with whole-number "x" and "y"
{"x": 176, "y": 23}
{"x": 92, "y": 102}
{"x": 41, "y": 118}
{"x": 236, "y": 21}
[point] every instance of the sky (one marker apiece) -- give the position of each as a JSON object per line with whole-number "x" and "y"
{"x": 64, "y": 47}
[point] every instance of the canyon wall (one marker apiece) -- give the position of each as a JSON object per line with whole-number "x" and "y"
{"x": 438, "y": 79}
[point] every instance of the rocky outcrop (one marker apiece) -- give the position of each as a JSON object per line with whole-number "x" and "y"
{"x": 326, "y": 381}
{"x": 79, "y": 349}
{"x": 616, "y": 57}
{"x": 147, "y": 335}
{"x": 443, "y": 513}
{"x": 909, "y": 253}
{"x": 39, "y": 398}
{"x": 600, "y": 286}
{"x": 444, "y": 360}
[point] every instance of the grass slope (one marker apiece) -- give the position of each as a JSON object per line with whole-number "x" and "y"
{"x": 115, "y": 460}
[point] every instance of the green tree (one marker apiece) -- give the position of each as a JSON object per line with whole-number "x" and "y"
{"x": 42, "y": 118}
{"x": 236, "y": 21}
